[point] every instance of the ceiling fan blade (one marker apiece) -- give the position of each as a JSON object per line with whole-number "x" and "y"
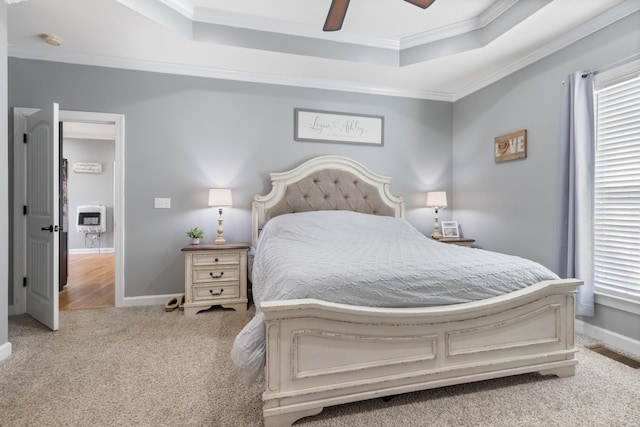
{"x": 336, "y": 15}
{"x": 421, "y": 3}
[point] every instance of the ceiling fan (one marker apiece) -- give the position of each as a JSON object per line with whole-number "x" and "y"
{"x": 338, "y": 10}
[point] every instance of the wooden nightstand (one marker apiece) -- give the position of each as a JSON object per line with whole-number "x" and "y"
{"x": 460, "y": 241}
{"x": 215, "y": 275}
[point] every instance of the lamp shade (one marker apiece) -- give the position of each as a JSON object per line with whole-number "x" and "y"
{"x": 220, "y": 198}
{"x": 437, "y": 199}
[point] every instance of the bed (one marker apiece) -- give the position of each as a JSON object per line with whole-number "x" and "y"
{"x": 325, "y": 348}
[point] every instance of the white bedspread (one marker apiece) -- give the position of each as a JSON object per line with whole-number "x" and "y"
{"x": 367, "y": 260}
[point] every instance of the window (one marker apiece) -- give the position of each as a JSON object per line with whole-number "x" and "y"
{"x": 617, "y": 188}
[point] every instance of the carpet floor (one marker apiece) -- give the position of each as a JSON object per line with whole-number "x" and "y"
{"x": 143, "y": 366}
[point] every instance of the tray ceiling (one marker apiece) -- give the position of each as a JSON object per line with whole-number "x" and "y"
{"x": 389, "y": 47}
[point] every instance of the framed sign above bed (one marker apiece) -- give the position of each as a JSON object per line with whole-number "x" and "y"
{"x": 325, "y": 126}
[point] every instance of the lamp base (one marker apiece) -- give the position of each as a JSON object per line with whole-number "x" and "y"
{"x": 220, "y": 239}
{"x": 436, "y": 229}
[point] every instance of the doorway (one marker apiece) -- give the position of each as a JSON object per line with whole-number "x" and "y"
{"x": 91, "y": 282}
{"x": 19, "y": 294}
{"x": 87, "y": 252}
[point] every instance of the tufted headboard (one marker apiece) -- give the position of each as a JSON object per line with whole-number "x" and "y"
{"x": 325, "y": 183}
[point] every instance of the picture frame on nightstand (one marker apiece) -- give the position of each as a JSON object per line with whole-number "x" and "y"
{"x": 450, "y": 229}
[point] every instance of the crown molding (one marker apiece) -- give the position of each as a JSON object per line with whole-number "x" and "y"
{"x": 232, "y": 19}
{"x": 621, "y": 11}
{"x": 223, "y": 74}
{"x": 241, "y": 30}
{"x": 607, "y": 18}
{"x": 452, "y": 30}
{"x": 183, "y": 7}
{"x": 276, "y": 26}
{"x": 495, "y": 10}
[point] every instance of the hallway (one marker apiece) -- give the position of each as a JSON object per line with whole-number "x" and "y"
{"x": 91, "y": 282}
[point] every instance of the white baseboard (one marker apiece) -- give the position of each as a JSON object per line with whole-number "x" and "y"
{"x": 147, "y": 300}
{"x": 5, "y": 350}
{"x": 605, "y": 336}
{"x": 91, "y": 251}
{"x": 129, "y": 302}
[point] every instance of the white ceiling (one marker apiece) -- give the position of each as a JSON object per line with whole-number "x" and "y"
{"x": 391, "y": 47}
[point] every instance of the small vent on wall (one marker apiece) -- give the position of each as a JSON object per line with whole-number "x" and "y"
{"x": 611, "y": 354}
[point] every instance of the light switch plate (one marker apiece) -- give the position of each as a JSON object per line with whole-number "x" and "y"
{"x": 162, "y": 203}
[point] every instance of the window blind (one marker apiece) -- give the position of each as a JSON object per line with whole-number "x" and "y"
{"x": 617, "y": 190}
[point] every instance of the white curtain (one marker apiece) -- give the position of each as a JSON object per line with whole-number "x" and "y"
{"x": 574, "y": 247}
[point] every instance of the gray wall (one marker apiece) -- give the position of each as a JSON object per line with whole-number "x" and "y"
{"x": 186, "y": 134}
{"x": 89, "y": 188}
{"x": 4, "y": 183}
{"x": 510, "y": 207}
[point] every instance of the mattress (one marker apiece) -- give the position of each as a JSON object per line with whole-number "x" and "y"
{"x": 358, "y": 259}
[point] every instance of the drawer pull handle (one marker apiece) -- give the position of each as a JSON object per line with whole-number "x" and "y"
{"x": 218, "y": 276}
{"x": 216, "y": 260}
{"x": 216, "y": 293}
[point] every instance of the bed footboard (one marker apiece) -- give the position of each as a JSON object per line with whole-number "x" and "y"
{"x": 322, "y": 354}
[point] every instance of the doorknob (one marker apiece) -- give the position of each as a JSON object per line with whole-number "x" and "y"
{"x": 49, "y": 228}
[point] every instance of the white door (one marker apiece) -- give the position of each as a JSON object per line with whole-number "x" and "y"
{"x": 43, "y": 158}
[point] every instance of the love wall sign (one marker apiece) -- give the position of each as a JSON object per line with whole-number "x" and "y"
{"x": 511, "y": 146}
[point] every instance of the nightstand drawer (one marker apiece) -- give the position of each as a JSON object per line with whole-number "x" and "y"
{"x": 208, "y": 292}
{"x": 215, "y": 258}
{"x": 210, "y": 274}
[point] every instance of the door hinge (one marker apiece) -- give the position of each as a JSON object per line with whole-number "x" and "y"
{"x": 25, "y": 138}
{"x": 24, "y": 210}
{"x": 24, "y": 282}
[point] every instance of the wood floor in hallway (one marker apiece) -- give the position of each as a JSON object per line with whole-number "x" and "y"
{"x": 91, "y": 282}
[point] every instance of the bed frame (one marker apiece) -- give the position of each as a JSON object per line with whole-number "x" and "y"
{"x": 322, "y": 354}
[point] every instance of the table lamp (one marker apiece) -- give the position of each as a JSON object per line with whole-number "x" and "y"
{"x": 437, "y": 200}
{"x": 220, "y": 198}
